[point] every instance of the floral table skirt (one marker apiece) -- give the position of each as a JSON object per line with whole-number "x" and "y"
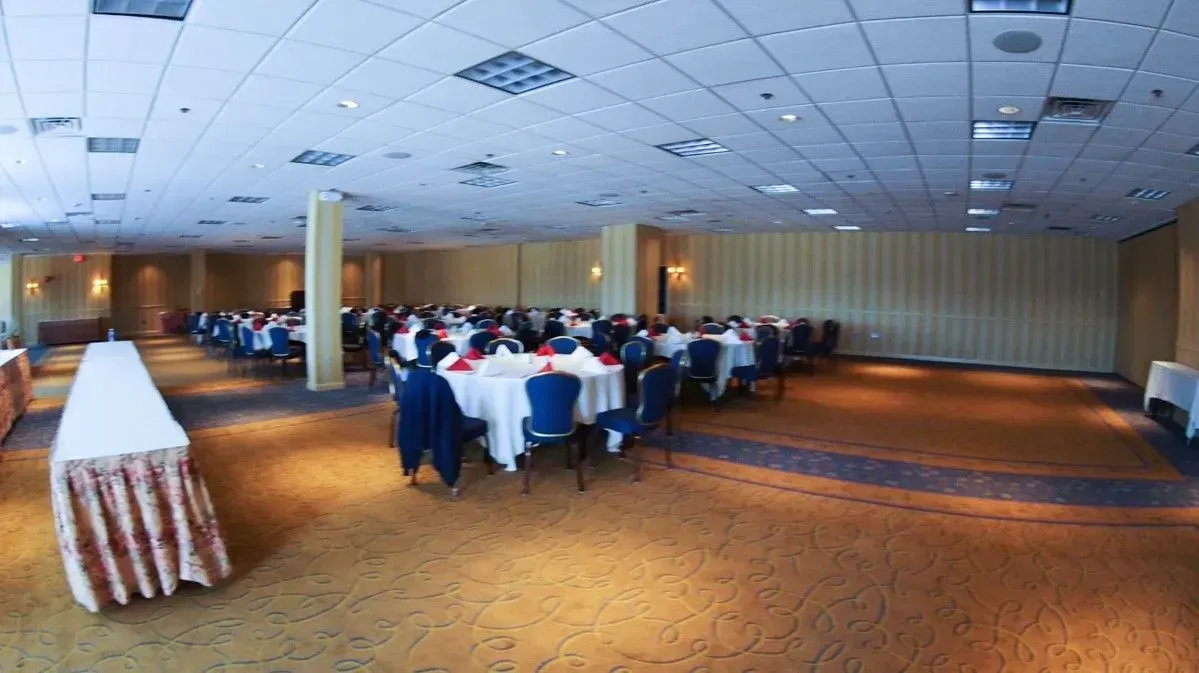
{"x": 16, "y": 391}
{"x": 135, "y": 522}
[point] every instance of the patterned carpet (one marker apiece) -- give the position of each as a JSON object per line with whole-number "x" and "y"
{"x": 723, "y": 564}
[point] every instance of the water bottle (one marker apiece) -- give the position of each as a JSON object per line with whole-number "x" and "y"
{"x": 112, "y": 334}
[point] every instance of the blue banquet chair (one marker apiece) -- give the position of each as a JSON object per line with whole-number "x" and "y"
{"x": 711, "y": 328}
{"x": 766, "y": 366}
{"x": 513, "y": 345}
{"x": 563, "y": 345}
{"x": 480, "y": 339}
{"x": 601, "y": 342}
{"x": 648, "y": 342}
{"x": 552, "y": 329}
{"x": 655, "y": 392}
{"x": 702, "y": 358}
{"x": 799, "y": 344}
{"x": 633, "y": 355}
{"x": 438, "y": 350}
{"x": 374, "y": 355}
{"x": 430, "y": 419}
{"x": 223, "y": 336}
{"x": 552, "y": 399}
{"x": 281, "y": 348}
{"x": 486, "y": 323}
{"x": 423, "y": 339}
{"x": 244, "y": 351}
{"x": 601, "y": 326}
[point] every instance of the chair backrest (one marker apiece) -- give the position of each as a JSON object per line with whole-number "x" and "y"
{"x": 438, "y": 350}
{"x": 763, "y": 331}
{"x": 648, "y": 342}
{"x": 474, "y": 320}
{"x": 659, "y": 328}
{"x": 480, "y": 339}
{"x": 513, "y": 345}
{"x": 349, "y": 320}
{"x": 422, "y": 341}
{"x": 601, "y": 342}
{"x": 374, "y": 348}
{"x": 397, "y": 384}
{"x": 552, "y": 329}
{"x": 279, "y": 339}
{"x": 701, "y": 358}
{"x": 834, "y": 334}
{"x": 711, "y": 328}
{"x": 434, "y": 323}
{"x": 655, "y": 388}
{"x": 766, "y": 352}
{"x": 552, "y": 398}
{"x": 601, "y": 326}
{"x": 193, "y": 322}
{"x": 801, "y": 336}
{"x": 564, "y": 345}
{"x": 246, "y": 346}
{"x": 486, "y": 323}
{"x": 620, "y": 334}
{"x": 223, "y": 333}
{"x": 633, "y": 354}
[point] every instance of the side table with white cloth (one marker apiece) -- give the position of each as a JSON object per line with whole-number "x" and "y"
{"x": 732, "y": 354}
{"x": 16, "y": 387}
{"x": 1177, "y": 384}
{"x": 131, "y": 511}
{"x": 495, "y": 392}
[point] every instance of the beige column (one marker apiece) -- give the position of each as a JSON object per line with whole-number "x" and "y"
{"x": 631, "y": 255}
{"x": 199, "y": 280}
{"x": 12, "y": 289}
{"x": 322, "y": 291}
{"x": 1186, "y": 348}
{"x": 373, "y": 279}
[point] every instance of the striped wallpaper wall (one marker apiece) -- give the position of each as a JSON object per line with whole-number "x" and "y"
{"x": 618, "y": 289}
{"x": 145, "y": 285}
{"x": 1026, "y": 301}
{"x": 559, "y": 273}
{"x": 1148, "y": 302}
{"x": 1187, "y": 343}
{"x": 69, "y": 293}
{"x": 263, "y": 281}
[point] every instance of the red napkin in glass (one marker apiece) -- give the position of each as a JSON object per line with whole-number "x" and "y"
{"x": 494, "y": 330}
{"x": 547, "y": 368}
{"x": 473, "y": 354}
{"x": 746, "y": 337}
{"x": 609, "y": 359}
{"x": 442, "y": 334}
{"x": 290, "y": 328}
{"x": 460, "y": 366}
{"x": 403, "y": 330}
{"x": 545, "y": 350}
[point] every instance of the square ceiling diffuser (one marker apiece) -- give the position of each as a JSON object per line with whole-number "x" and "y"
{"x": 488, "y": 182}
{"x": 1148, "y": 194}
{"x": 318, "y": 158}
{"x": 1003, "y": 130}
{"x": 113, "y": 145}
{"x": 1022, "y": 6}
{"x": 694, "y": 148}
{"x": 514, "y": 73}
{"x": 174, "y": 10}
{"x": 991, "y": 185}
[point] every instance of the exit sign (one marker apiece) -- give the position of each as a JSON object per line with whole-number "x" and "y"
{"x": 77, "y": 258}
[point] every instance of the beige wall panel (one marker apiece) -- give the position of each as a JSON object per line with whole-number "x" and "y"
{"x": 143, "y": 286}
{"x": 69, "y": 293}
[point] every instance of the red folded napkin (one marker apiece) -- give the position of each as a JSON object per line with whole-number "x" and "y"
{"x": 460, "y": 366}
{"x": 545, "y": 350}
{"x": 609, "y": 359}
{"x": 473, "y": 354}
{"x": 442, "y": 334}
{"x": 547, "y": 368}
{"x": 290, "y": 328}
{"x": 403, "y": 330}
{"x": 746, "y": 337}
{"x": 574, "y": 324}
{"x": 494, "y": 330}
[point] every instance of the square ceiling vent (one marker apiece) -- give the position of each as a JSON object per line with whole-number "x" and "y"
{"x": 61, "y": 127}
{"x": 481, "y": 168}
{"x": 1023, "y": 6}
{"x": 514, "y": 73}
{"x": 1075, "y": 110}
{"x": 174, "y": 10}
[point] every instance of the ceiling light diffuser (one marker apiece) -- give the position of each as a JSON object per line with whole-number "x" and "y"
{"x": 598, "y": 203}
{"x": 113, "y": 145}
{"x": 174, "y": 10}
{"x": 819, "y": 211}
{"x": 1106, "y": 218}
{"x": 789, "y": 118}
{"x": 1009, "y": 109}
{"x": 319, "y": 158}
{"x": 694, "y": 148}
{"x": 1021, "y": 6}
{"x": 847, "y": 227}
{"x": 1148, "y": 194}
{"x": 775, "y": 189}
{"x": 991, "y": 185}
{"x": 488, "y": 182}
{"x": 373, "y": 208}
{"x": 978, "y": 230}
{"x": 348, "y": 104}
{"x": 1002, "y": 130}
{"x": 248, "y": 199}
{"x": 982, "y": 212}
{"x": 108, "y": 197}
{"x": 514, "y": 73}
{"x": 559, "y": 153}
{"x": 30, "y": 240}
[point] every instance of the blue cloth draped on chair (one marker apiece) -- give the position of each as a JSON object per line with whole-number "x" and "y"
{"x": 224, "y": 335}
{"x": 434, "y": 323}
{"x": 648, "y": 342}
{"x": 620, "y": 335}
{"x": 486, "y": 323}
{"x": 438, "y": 350}
{"x": 711, "y": 328}
{"x": 601, "y": 343}
{"x": 766, "y": 365}
{"x": 244, "y": 350}
{"x": 552, "y": 329}
{"x": 423, "y": 339}
{"x": 281, "y": 346}
{"x": 513, "y": 345}
{"x": 655, "y": 397}
{"x": 633, "y": 355}
{"x": 563, "y": 345}
{"x": 374, "y": 353}
{"x": 397, "y": 392}
{"x": 431, "y": 419}
{"x": 703, "y": 356}
{"x": 601, "y": 326}
{"x": 552, "y": 399}
{"x": 479, "y": 340}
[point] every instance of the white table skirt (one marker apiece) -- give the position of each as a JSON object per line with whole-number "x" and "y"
{"x": 581, "y": 331}
{"x": 503, "y": 403}
{"x": 731, "y": 355}
{"x": 1177, "y": 384}
{"x": 262, "y": 337}
{"x": 405, "y": 344}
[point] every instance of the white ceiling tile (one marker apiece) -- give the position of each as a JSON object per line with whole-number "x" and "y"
{"x": 441, "y": 49}
{"x": 412, "y": 116}
{"x": 599, "y": 8}
{"x": 457, "y": 95}
{"x": 1182, "y": 123}
{"x": 782, "y": 92}
{"x": 46, "y": 7}
{"x": 816, "y": 49}
{"x": 1084, "y": 81}
{"x": 352, "y": 25}
{"x": 729, "y": 124}
{"x": 308, "y": 62}
{"x": 762, "y": 17}
{"x": 387, "y": 78}
{"x": 127, "y": 105}
{"x": 512, "y": 23}
{"x": 587, "y": 49}
{"x": 1173, "y": 54}
{"x": 46, "y": 37}
{"x": 573, "y": 96}
{"x": 1183, "y": 18}
{"x": 138, "y": 40}
{"x": 1113, "y": 45}
{"x": 1012, "y": 79}
{"x": 843, "y": 85}
{"x": 688, "y": 105}
{"x": 1149, "y": 88}
{"x": 238, "y": 51}
{"x": 921, "y": 40}
{"x": 53, "y": 104}
{"x": 693, "y": 24}
{"x": 101, "y": 127}
{"x": 934, "y": 109}
{"x": 929, "y": 79}
{"x": 643, "y": 80}
{"x": 873, "y": 132}
{"x": 984, "y": 28}
{"x": 566, "y": 129}
{"x": 860, "y": 112}
{"x": 275, "y": 91}
{"x": 726, "y": 63}
{"x": 987, "y": 107}
{"x": 273, "y": 18}
{"x": 245, "y": 114}
{"x": 622, "y": 117}
{"x": 1129, "y": 115}
{"x": 114, "y": 77}
{"x": 49, "y": 76}
{"x": 1143, "y": 12}
{"x": 867, "y": 10}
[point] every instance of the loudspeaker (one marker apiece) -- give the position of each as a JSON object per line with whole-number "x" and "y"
{"x": 663, "y": 290}
{"x": 297, "y": 300}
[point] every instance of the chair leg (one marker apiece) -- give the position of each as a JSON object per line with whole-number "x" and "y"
{"x": 391, "y": 437}
{"x": 374, "y": 376}
{"x": 636, "y": 461}
{"x": 782, "y": 385}
{"x": 488, "y": 460}
{"x": 528, "y": 470}
{"x": 579, "y": 463}
{"x": 569, "y": 462}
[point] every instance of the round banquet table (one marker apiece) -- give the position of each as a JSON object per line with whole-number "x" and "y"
{"x": 262, "y": 337}
{"x": 501, "y": 400}
{"x": 405, "y": 344}
{"x": 579, "y": 331}
{"x": 731, "y": 355}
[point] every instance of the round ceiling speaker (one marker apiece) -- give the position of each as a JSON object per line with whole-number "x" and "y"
{"x": 1017, "y": 41}
{"x": 397, "y": 155}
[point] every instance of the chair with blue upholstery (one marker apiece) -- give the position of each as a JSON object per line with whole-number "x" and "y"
{"x": 827, "y": 346}
{"x": 633, "y": 355}
{"x": 659, "y": 328}
{"x": 281, "y": 348}
{"x": 552, "y": 329}
{"x": 601, "y": 343}
{"x": 430, "y": 419}
{"x": 486, "y": 323}
{"x": 438, "y": 350}
{"x": 711, "y": 328}
{"x": 766, "y": 366}
{"x": 423, "y": 339}
{"x": 479, "y": 339}
{"x": 648, "y": 342}
{"x": 374, "y": 355}
{"x": 620, "y": 334}
{"x": 434, "y": 323}
{"x": 194, "y": 329}
{"x": 655, "y": 396}
{"x": 763, "y": 331}
{"x": 799, "y": 344}
{"x": 397, "y": 392}
{"x": 513, "y": 345}
{"x": 222, "y": 338}
{"x": 552, "y": 399}
{"x": 601, "y": 326}
{"x": 703, "y": 356}
{"x": 349, "y": 321}
{"x": 244, "y": 350}
{"x": 563, "y": 345}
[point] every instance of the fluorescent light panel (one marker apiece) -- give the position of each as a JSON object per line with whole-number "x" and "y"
{"x": 108, "y": 221}
{"x": 847, "y": 227}
{"x": 991, "y": 185}
{"x": 1148, "y": 194}
{"x": 488, "y": 182}
{"x": 598, "y": 203}
{"x": 174, "y": 10}
{"x": 211, "y": 222}
{"x": 978, "y": 230}
{"x": 982, "y": 212}
{"x": 819, "y": 211}
{"x": 481, "y": 168}
{"x": 776, "y": 189}
{"x": 673, "y": 218}
{"x": 694, "y": 148}
{"x": 108, "y": 197}
{"x": 514, "y": 73}
{"x": 1106, "y": 218}
{"x": 318, "y": 158}
{"x": 248, "y": 199}
{"x": 1002, "y": 130}
{"x": 375, "y": 208}
{"x": 113, "y": 145}
{"x": 1023, "y": 6}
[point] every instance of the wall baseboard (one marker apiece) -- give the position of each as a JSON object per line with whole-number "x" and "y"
{"x": 962, "y": 361}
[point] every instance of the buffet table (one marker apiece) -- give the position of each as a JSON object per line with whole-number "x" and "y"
{"x": 16, "y": 387}
{"x": 131, "y": 511}
{"x": 1177, "y": 384}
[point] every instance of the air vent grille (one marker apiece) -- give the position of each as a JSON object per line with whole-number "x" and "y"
{"x": 1019, "y": 207}
{"x": 482, "y": 168}
{"x": 56, "y": 126}
{"x": 1076, "y": 110}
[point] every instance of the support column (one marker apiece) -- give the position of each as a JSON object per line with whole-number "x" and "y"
{"x": 322, "y": 291}
{"x": 631, "y": 256}
{"x": 12, "y": 292}
{"x": 373, "y": 279}
{"x": 199, "y": 281}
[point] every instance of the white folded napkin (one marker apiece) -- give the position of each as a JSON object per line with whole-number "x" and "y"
{"x": 505, "y": 330}
{"x": 581, "y": 353}
{"x": 447, "y": 361}
{"x": 674, "y": 336}
{"x": 643, "y": 332}
{"x": 731, "y": 337}
{"x": 488, "y": 368}
{"x": 594, "y": 366}
{"x": 503, "y": 351}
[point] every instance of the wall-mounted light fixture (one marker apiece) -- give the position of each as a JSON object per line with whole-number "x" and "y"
{"x": 597, "y": 272}
{"x": 675, "y": 272}
{"x": 32, "y": 286}
{"x": 99, "y": 285}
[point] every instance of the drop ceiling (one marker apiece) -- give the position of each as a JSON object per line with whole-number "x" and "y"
{"x": 865, "y": 107}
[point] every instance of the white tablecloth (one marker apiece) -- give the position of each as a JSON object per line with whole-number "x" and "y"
{"x": 131, "y": 510}
{"x": 1177, "y": 384}
{"x": 503, "y": 403}
{"x": 405, "y": 344}
{"x": 731, "y": 355}
{"x": 580, "y": 331}
{"x": 262, "y": 337}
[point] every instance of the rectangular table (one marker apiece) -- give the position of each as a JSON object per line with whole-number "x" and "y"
{"x": 1177, "y": 384}
{"x": 16, "y": 387}
{"x": 131, "y": 510}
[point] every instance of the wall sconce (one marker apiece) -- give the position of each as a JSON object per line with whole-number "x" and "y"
{"x": 675, "y": 272}
{"x": 99, "y": 285}
{"x": 597, "y": 272}
{"x": 32, "y": 286}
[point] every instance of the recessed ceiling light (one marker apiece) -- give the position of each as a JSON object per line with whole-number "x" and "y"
{"x": 789, "y": 118}
{"x": 694, "y": 148}
{"x": 721, "y": 230}
{"x": 982, "y": 212}
{"x": 559, "y": 153}
{"x": 397, "y": 155}
{"x": 978, "y": 230}
{"x": 819, "y": 211}
{"x": 175, "y": 10}
{"x": 514, "y": 73}
{"x": 775, "y": 189}
{"x": 487, "y": 181}
{"x": 20, "y": 162}
{"x": 1009, "y": 109}
{"x": 113, "y": 145}
{"x": 991, "y": 185}
{"x": 319, "y": 158}
{"x": 1106, "y": 218}
{"x": 1017, "y": 41}
{"x": 847, "y": 227}
{"x": 348, "y": 104}
{"x": 1023, "y": 6}
{"x": 257, "y": 166}
{"x": 1003, "y": 130}
{"x": 598, "y": 203}
{"x": 1148, "y": 194}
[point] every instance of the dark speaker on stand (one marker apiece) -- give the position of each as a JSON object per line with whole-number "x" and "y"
{"x": 297, "y": 300}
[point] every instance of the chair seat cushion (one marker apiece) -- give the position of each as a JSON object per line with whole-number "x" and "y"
{"x": 539, "y": 439}
{"x": 473, "y": 428}
{"x": 622, "y": 420}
